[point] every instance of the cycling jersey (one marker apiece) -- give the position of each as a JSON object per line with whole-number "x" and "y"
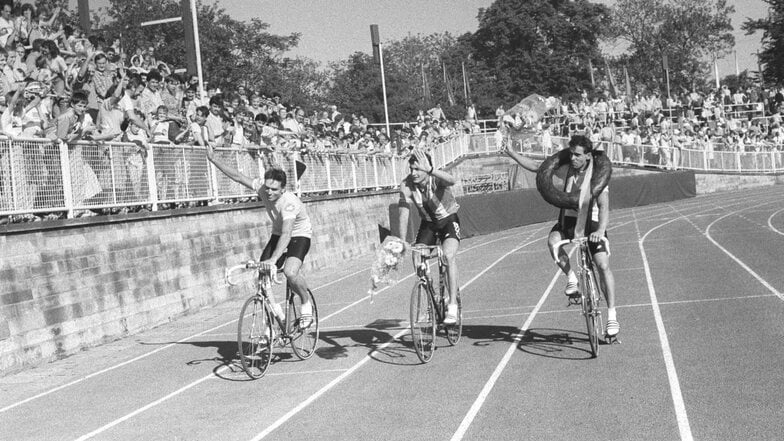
{"x": 573, "y": 182}
{"x": 435, "y": 202}
{"x": 288, "y": 206}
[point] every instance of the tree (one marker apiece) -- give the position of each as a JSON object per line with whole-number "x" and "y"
{"x": 233, "y": 52}
{"x": 772, "y": 55}
{"x": 692, "y": 33}
{"x": 536, "y": 46}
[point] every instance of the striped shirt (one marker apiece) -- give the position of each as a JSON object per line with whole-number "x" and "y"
{"x": 435, "y": 201}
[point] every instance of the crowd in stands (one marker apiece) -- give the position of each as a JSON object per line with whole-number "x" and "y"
{"x": 742, "y": 120}
{"x": 60, "y": 85}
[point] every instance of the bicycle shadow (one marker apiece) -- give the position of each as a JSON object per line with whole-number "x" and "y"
{"x": 556, "y": 343}
{"x": 371, "y": 336}
{"x": 227, "y": 363}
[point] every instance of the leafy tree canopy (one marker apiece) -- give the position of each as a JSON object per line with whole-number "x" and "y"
{"x": 691, "y": 33}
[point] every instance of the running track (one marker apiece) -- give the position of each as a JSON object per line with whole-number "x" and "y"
{"x": 699, "y": 285}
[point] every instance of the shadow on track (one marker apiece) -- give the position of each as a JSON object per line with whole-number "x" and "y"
{"x": 556, "y": 343}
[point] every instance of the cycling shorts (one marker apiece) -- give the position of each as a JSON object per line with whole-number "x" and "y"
{"x": 567, "y": 232}
{"x": 431, "y": 232}
{"x": 298, "y": 247}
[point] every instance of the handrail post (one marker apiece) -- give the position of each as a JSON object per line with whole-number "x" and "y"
{"x": 328, "y": 166}
{"x": 65, "y": 165}
{"x": 152, "y": 180}
{"x": 375, "y": 172}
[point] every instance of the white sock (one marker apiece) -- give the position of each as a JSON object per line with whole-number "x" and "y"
{"x": 572, "y": 276}
{"x": 307, "y": 309}
{"x": 611, "y": 314}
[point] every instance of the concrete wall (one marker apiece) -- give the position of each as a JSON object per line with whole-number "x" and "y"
{"x": 712, "y": 183}
{"x": 68, "y": 288}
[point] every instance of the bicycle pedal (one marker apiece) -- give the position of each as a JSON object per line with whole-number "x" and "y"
{"x": 612, "y": 340}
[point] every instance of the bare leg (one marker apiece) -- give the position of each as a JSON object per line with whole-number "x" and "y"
{"x": 450, "y": 247}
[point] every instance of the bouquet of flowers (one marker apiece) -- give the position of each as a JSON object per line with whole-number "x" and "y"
{"x": 385, "y": 264}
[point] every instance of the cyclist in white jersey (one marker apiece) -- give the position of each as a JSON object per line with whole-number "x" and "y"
{"x": 429, "y": 189}
{"x": 289, "y": 242}
{"x": 581, "y": 149}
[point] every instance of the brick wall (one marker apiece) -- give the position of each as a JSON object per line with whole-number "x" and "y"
{"x": 68, "y": 288}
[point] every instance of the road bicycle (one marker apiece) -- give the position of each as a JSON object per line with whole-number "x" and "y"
{"x": 259, "y": 328}
{"x": 428, "y": 305}
{"x": 590, "y": 292}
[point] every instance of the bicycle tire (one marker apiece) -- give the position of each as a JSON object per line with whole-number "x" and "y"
{"x": 423, "y": 322}
{"x": 454, "y": 331}
{"x": 303, "y": 341}
{"x": 590, "y": 309}
{"x": 255, "y": 323}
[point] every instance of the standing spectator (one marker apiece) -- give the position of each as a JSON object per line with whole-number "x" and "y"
{"x": 71, "y": 126}
{"x": 150, "y": 99}
{"x": 215, "y": 119}
{"x": 436, "y": 113}
{"x": 172, "y": 95}
{"x": 129, "y": 102}
{"x": 95, "y": 78}
{"x": 6, "y": 24}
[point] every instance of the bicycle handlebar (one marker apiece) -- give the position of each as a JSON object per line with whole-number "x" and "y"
{"x": 270, "y": 269}
{"x": 579, "y": 240}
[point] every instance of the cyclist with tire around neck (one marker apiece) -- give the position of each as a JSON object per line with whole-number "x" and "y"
{"x": 581, "y": 152}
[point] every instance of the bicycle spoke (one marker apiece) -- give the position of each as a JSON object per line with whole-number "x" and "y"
{"x": 254, "y": 337}
{"x": 423, "y": 322}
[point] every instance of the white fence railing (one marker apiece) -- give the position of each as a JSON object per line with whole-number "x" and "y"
{"x": 40, "y": 176}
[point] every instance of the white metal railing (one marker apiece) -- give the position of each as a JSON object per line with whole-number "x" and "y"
{"x": 41, "y": 176}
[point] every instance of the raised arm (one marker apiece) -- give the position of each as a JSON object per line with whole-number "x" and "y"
{"x": 524, "y": 161}
{"x": 228, "y": 170}
{"x": 423, "y": 164}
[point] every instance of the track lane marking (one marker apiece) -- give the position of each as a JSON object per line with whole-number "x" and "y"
{"x": 223, "y": 369}
{"x": 282, "y": 420}
{"x": 199, "y": 334}
{"x": 488, "y": 387}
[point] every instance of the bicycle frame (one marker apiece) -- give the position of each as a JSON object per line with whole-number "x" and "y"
{"x": 423, "y": 271}
{"x": 590, "y": 296}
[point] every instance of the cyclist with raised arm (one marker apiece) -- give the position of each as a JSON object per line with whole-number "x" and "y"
{"x": 291, "y": 229}
{"x": 581, "y": 152}
{"x": 429, "y": 190}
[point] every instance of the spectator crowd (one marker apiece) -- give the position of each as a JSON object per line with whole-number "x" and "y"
{"x": 61, "y": 86}
{"x": 741, "y": 120}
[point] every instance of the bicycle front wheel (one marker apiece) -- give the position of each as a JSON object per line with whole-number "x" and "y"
{"x": 591, "y": 312}
{"x": 254, "y": 337}
{"x": 304, "y": 336}
{"x": 423, "y": 322}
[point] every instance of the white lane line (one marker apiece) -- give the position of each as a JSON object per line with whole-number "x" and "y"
{"x": 86, "y": 377}
{"x": 488, "y": 387}
{"x": 672, "y": 375}
{"x": 770, "y": 222}
{"x": 740, "y": 262}
{"x": 324, "y": 389}
{"x": 135, "y": 359}
{"x": 124, "y": 363}
{"x": 282, "y": 420}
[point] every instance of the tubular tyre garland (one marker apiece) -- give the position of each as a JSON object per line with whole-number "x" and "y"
{"x": 602, "y": 170}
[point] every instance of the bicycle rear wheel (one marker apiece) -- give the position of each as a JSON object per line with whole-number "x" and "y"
{"x": 591, "y": 312}
{"x": 423, "y": 322}
{"x": 303, "y": 339}
{"x": 254, "y": 337}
